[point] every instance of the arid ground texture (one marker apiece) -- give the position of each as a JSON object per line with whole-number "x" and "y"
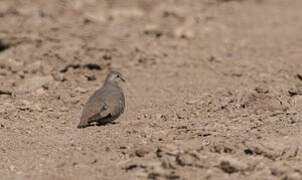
{"x": 213, "y": 89}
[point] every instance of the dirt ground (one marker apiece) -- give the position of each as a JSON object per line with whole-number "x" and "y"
{"x": 213, "y": 91}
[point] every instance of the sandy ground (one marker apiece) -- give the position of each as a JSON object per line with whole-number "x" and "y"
{"x": 214, "y": 89}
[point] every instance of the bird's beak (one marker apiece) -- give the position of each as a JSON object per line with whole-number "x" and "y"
{"x": 122, "y": 79}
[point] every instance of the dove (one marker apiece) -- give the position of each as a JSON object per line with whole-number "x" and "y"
{"x": 106, "y": 104}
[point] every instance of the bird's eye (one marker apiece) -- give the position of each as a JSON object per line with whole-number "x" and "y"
{"x": 118, "y": 76}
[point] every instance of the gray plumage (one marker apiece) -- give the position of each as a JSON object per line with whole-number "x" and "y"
{"x": 106, "y": 104}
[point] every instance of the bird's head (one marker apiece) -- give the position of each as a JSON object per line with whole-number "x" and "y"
{"x": 115, "y": 78}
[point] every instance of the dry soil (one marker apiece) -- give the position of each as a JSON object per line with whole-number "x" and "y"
{"x": 214, "y": 89}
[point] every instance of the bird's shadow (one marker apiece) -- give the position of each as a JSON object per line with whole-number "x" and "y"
{"x": 100, "y": 124}
{"x": 105, "y": 123}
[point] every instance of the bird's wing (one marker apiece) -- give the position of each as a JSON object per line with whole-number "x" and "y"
{"x": 103, "y": 113}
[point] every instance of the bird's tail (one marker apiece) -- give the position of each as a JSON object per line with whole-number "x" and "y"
{"x": 82, "y": 124}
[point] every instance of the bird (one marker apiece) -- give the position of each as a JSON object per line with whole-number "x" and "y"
{"x": 106, "y": 104}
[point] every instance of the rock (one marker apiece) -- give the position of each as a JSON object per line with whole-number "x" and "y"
{"x": 158, "y": 116}
{"x": 186, "y": 30}
{"x": 26, "y": 104}
{"x": 262, "y": 90}
{"x": 40, "y": 91}
{"x": 296, "y": 90}
{"x": 130, "y": 167}
{"x": 194, "y": 101}
{"x": 58, "y": 76}
{"x": 37, "y": 107}
{"x": 5, "y": 92}
{"x": 95, "y": 16}
{"x": 278, "y": 169}
{"x": 187, "y": 159}
{"x": 35, "y": 67}
{"x": 168, "y": 149}
{"x": 153, "y": 29}
{"x": 231, "y": 165}
{"x": 141, "y": 152}
{"x": 153, "y": 175}
{"x": 81, "y": 90}
{"x": 12, "y": 167}
{"x": 271, "y": 150}
{"x": 156, "y": 166}
{"x": 35, "y": 83}
{"x": 41, "y": 67}
{"x": 293, "y": 176}
{"x": 183, "y": 32}
{"x": 261, "y": 102}
{"x": 15, "y": 65}
{"x": 75, "y": 100}
{"x": 54, "y": 115}
{"x": 161, "y": 116}
{"x": 64, "y": 109}
{"x": 168, "y": 162}
{"x": 297, "y": 103}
